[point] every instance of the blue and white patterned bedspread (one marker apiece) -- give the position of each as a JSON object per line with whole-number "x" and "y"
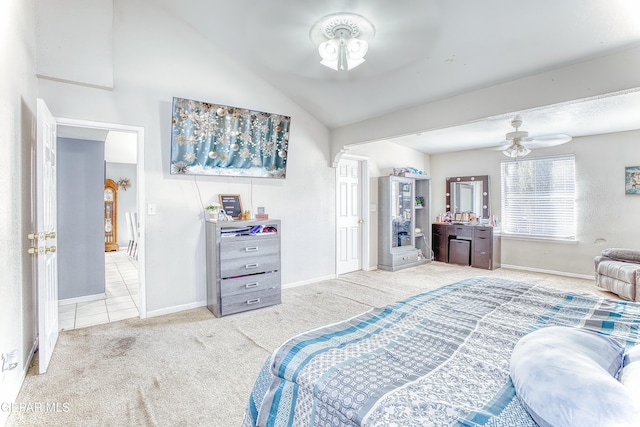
{"x": 436, "y": 359}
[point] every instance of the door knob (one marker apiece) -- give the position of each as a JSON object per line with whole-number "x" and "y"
{"x": 32, "y": 251}
{"x": 361, "y": 221}
{"x": 50, "y": 249}
{"x": 50, "y": 235}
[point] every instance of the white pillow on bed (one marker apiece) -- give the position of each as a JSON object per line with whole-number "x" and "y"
{"x": 567, "y": 377}
{"x": 630, "y": 373}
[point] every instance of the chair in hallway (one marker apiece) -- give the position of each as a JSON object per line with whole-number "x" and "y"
{"x": 132, "y": 248}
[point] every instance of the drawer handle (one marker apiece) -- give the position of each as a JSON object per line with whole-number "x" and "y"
{"x": 248, "y": 266}
{"x": 251, "y": 249}
{"x": 251, "y": 285}
{"x": 253, "y": 301}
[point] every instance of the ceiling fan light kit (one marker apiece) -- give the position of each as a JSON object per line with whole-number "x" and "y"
{"x": 520, "y": 139}
{"x": 342, "y": 40}
{"x": 516, "y": 150}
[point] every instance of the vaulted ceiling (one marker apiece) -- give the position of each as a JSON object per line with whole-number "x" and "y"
{"x": 423, "y": 51}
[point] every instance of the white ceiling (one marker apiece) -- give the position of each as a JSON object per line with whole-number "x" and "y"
{"x": 615, "y": 112}
{"x": 423, "y": 50}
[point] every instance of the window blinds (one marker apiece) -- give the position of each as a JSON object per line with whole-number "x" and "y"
{"x": 538, "y": 197}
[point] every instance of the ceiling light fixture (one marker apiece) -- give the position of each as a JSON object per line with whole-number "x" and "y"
{"x": 516, "y": 150}
{"x": 342, "y": 40}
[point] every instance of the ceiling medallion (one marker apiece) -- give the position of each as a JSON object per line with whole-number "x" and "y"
{"x": 342, "y": 40}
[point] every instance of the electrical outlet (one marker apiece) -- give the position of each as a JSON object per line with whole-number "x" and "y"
{"x": 9, "y": 360}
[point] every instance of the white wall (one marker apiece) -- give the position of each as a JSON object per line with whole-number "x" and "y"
{"x": 17, "y": 139}
{"x": 156, "y": 58}
{"x": 382, "y": 158}
{"x": 606, "y": 217}
{"x": 66, "y": 44}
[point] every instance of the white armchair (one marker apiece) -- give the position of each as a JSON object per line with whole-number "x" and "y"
{"x": 618, "y": 271}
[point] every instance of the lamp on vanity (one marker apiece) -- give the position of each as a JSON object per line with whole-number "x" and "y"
{"x": 342, "y": 40}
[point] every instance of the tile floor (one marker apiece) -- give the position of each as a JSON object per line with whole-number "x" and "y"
{"x": 121, "y": 276}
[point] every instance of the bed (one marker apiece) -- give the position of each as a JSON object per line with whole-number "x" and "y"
{"x": 439, "y": 358}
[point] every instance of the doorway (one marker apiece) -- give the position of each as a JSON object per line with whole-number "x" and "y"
{"x": 352, "y": 219}
{"x": 137, "y": 137}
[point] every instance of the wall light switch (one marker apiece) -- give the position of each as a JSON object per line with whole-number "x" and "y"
{"x": 151, "y": 209}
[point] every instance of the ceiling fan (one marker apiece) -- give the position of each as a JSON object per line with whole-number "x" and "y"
{"x": 519, "y": 143}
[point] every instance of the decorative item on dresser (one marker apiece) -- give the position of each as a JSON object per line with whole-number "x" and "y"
{"x": 403, "y": 220}
{"x": 243, "y": 265}
{"x": 474, "y": 245}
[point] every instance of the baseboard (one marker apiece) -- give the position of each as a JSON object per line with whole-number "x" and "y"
{"x": 86, "y": 298}
{"x": 308, "y": 282}
{"x": 175, "y": 309}
{"x": 541, "y": 270}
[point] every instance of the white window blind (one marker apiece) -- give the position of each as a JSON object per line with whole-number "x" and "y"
{"x": 538, "y": 197}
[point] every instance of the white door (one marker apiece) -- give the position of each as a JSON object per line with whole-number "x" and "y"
{"x": 45, "y": 236}
{"x": 349, "y": 219}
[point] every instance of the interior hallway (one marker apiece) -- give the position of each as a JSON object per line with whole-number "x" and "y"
{"x": 121, "y": 276}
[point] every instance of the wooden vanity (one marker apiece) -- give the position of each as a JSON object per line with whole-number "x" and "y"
{"x": 474, "y": 245}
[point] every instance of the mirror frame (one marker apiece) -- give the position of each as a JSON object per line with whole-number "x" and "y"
{"x": 475, "y": 178}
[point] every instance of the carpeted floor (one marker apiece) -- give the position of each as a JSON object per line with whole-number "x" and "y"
{"x": 192, "y": 369}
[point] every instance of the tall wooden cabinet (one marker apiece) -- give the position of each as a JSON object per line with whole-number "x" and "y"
{"x": 110, "y": 216}
{"x": 403, "y": 221}
{"x": 243, "y": 266}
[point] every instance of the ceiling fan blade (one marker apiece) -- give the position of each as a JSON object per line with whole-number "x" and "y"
{"x": 550, "y": 140}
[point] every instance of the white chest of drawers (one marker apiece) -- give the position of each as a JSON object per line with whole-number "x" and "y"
{"x": 243, "y": 270}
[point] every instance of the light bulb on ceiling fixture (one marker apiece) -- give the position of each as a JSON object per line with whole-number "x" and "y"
{"x": 516, "y": 150}
{"x": 342, "y": 40}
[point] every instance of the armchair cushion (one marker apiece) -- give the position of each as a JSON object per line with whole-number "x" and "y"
{"x": 626, "y": 255}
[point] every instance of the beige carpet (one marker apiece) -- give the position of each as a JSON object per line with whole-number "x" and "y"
{"x": 193, "y": 369}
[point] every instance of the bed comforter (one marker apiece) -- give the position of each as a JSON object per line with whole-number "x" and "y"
{"x": 440, "y": 358}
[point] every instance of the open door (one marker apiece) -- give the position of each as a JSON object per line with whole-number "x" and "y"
{"x": 44, "y": 237}
{"x": 349, "y": 217}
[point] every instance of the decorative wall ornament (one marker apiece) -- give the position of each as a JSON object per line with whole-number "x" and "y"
{"x": 123, "y": 183}
{"x": 213, "y": 139}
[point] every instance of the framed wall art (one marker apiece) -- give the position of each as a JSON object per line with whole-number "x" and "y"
{"x": 215, "y": 139}
{"x": 632, "y": 180}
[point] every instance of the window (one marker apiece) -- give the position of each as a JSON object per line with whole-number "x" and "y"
{"x": 538, "y": 197}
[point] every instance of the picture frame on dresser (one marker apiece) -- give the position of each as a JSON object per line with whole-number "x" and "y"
{"x": 232, "y": 205}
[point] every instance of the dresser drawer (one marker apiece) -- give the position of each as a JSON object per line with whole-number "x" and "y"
{"x": 251, "y": 283}
{"x": 231, "y": 248}
{"x": 482, "y": 232}
{"x": 482, "y": 244}
{"x": 481, "y": 260}
{"x": 249, "y": 301}
{"x": 249, "y": 265}
{"x": 461, "y": 231}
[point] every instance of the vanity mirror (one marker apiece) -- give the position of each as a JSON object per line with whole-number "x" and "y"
{"x": 468, "y": 194}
